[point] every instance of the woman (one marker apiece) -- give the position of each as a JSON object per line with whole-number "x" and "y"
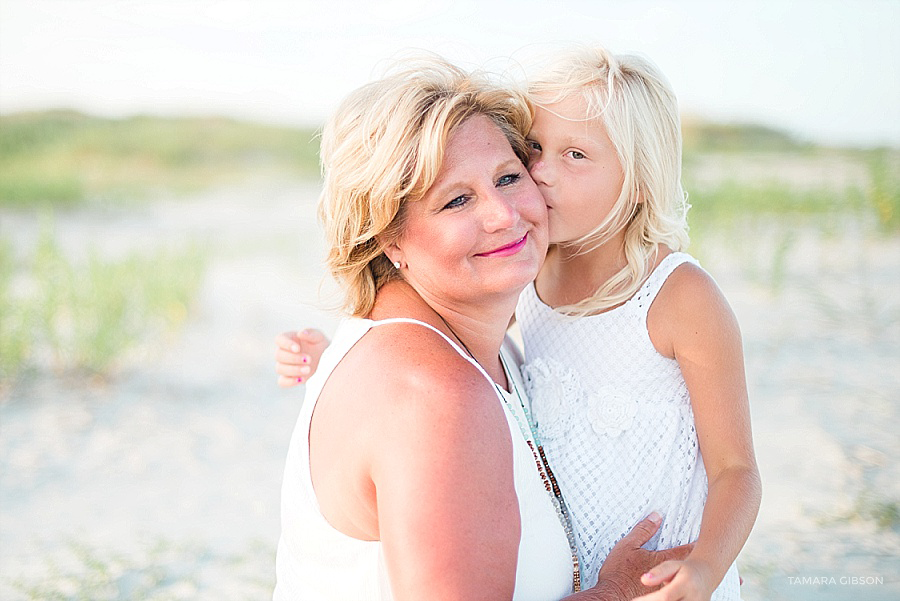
{"x": 427, "y": 484}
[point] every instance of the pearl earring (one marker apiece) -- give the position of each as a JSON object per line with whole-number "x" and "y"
{"x": 396, "y": 264}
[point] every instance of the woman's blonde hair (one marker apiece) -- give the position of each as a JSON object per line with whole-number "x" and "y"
{"x": 384, "y": 148}
{"x": 638, "y": 108}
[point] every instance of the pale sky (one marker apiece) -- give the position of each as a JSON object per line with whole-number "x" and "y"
{"x": 826, "y": 70}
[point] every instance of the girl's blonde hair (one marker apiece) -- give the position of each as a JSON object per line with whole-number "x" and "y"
{"x": 384, "y": 148}
{"x": 636, "y": 104}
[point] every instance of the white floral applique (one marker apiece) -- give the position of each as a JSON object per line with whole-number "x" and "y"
{"x": 553, "y": 389}
{"x": 610, "y": 411}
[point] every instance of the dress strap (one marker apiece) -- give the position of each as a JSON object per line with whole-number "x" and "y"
{"x": 449, "y": 340}
{"x": 646, "y": 295}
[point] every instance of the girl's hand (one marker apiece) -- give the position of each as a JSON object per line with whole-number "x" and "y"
{"x": 297, "y": 355}
{"x": 688, "y": 580}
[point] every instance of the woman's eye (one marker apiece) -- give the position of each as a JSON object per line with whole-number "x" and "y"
{"x": 457, "y": 202}
{"x": 508, "y": 179}
{"x": 575, "y": 154}
{"x": 533, "y": 146}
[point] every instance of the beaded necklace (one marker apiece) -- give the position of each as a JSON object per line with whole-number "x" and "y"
{"x": 537, "y": 451}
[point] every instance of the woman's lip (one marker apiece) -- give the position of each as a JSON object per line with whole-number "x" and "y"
{"x": 505, "y": 251}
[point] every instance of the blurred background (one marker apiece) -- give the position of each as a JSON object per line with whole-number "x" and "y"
{"x": 158, "y": 179}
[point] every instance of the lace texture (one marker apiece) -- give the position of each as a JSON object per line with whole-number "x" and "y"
{"x": 616, "y": 423}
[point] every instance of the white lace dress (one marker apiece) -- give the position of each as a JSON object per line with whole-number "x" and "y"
{"x": 616, "y": 423}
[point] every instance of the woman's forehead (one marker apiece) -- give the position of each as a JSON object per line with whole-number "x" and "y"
{"x": 478, "y": 143}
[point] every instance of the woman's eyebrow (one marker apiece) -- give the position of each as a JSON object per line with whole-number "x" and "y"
{"x": 442, "y": 188}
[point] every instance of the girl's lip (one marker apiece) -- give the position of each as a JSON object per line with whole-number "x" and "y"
{"x": 507, "y": 250}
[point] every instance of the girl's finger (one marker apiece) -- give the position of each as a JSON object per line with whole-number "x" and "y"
{"x": 292, "y": 371}
{"x": 286, "y": 382}
{"x": 287, "y": 341}
{"x": 311, "y": 335}
{"x": 661, "y": 573}
{"x": 291, "y": 358}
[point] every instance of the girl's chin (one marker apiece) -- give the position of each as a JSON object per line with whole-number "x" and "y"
{"x": 554, "y": 236}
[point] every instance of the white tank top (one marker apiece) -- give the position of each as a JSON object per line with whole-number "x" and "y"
{"x": 316, "y": 562}
{"x": 616, "y": 423}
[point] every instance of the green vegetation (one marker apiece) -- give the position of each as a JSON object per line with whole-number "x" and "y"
{"x": 68, "y": 316}
{"x": 731, "y": 201}
{"x": 884, "y": 193}
{"x": 772, "y": 197}
{"x": 85, "y": 316}
{"x": 869, "y": 507}
{"x": 65, "y": 158}
{"x": 704, "y": 136}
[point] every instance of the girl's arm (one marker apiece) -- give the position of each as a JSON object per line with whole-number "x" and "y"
{"x": 297, "y": 355}
{"x": 692, "y": 322}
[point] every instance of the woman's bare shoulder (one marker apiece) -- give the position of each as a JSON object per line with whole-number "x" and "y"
{"x": 419, "y": 402}
{"x": 414, "y": 361}
{"x": 410, "y": 373}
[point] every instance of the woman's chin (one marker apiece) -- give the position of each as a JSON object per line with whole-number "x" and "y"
{"x": 514, "y": 279}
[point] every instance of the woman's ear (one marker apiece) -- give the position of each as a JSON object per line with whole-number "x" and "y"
{"x": 394, "y": 254}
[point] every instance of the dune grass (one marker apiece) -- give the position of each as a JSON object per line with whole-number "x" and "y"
{"x": 65, "y": 158}
{"x": 84, "y": 317}
{"x": 731, "y": 204}
{"x": 703, "y": 137}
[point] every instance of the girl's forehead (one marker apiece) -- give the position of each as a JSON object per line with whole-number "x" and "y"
{"x": 567, "y": 123}
{"x": 570, "y": 108}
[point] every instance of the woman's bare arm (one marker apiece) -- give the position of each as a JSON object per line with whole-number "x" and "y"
{"x": 435, "y": 445}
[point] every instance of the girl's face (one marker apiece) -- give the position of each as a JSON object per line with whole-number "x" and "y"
{"x": 481, "y": 229}
{"x": 575, "y": 167}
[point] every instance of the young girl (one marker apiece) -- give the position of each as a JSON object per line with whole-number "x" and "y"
{"x": 633, "y": 357}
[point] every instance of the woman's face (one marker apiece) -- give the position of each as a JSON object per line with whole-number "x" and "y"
{"x": 576, "y": 167}
{"x": 481, "y": 230}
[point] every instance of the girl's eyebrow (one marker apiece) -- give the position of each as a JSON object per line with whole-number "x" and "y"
{"x": 575, "y": 140}
{"x": 580, "y": 140}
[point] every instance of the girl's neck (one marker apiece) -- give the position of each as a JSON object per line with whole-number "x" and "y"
{"x": 569, "y": 276}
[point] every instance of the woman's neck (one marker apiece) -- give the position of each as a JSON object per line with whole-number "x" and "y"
{"x": 479, "y": 326}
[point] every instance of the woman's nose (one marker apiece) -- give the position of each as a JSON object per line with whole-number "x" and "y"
{"x": 501, "y": 213}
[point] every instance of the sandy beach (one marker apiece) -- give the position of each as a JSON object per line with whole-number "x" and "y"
{"x": 163, "y": 481}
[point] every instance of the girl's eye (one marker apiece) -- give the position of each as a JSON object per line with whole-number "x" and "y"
{"x": 533, "y": 146}
{"x": 457, "y": 202}
{"x": 509, "y": 179}
{"x": 576, "y": 155}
